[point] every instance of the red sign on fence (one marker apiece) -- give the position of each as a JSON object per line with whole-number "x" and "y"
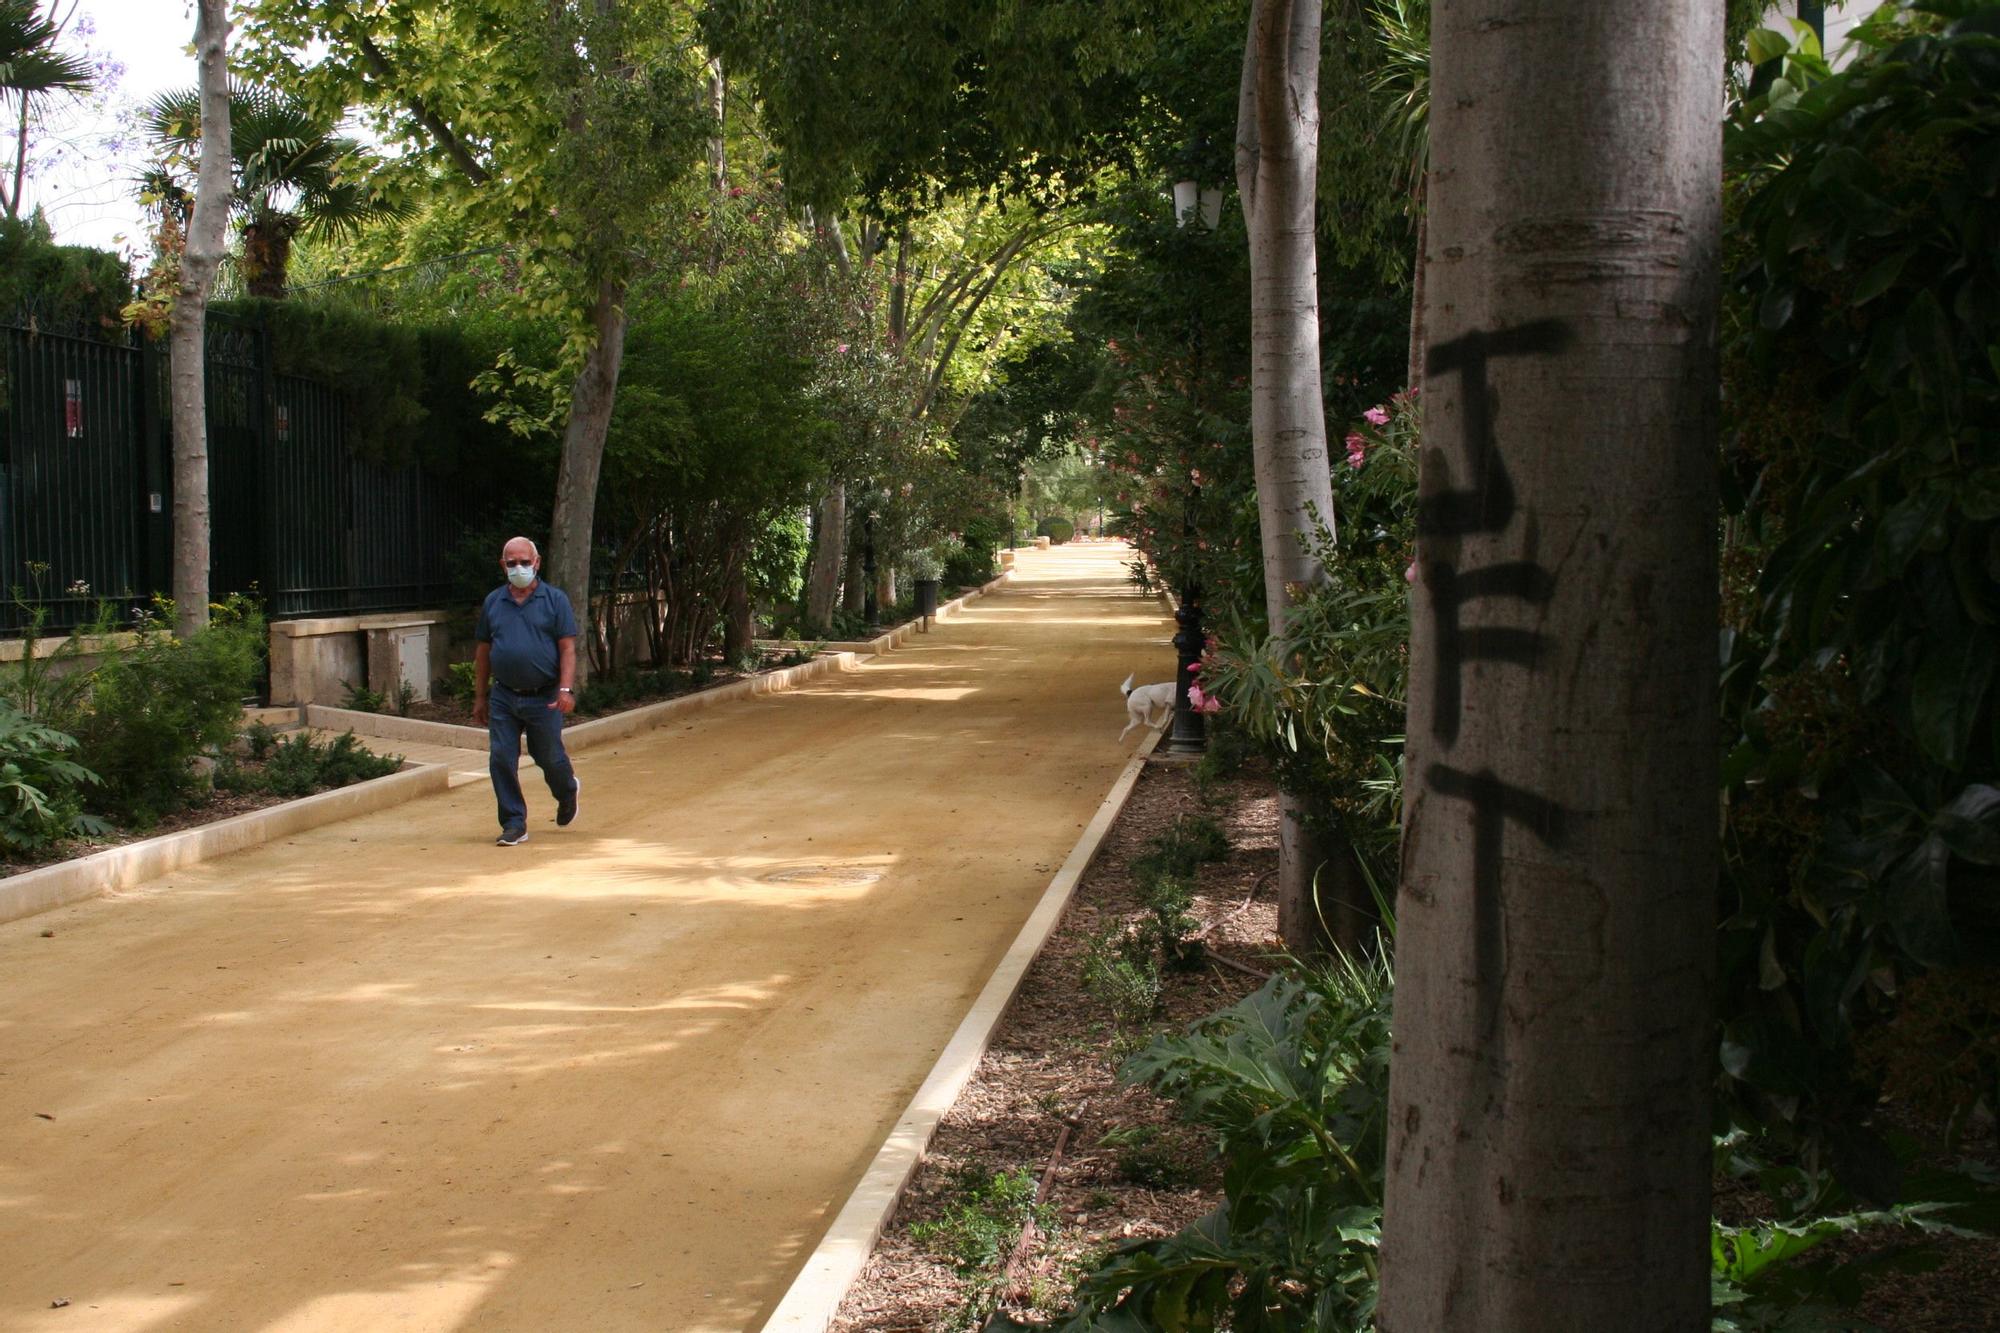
{"x": 73, "y": 409}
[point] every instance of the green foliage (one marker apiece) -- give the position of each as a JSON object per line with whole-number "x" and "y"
{"x": 361, "y": 699}
{"x": 157, "y": 705}
{"x": 61, "y": 288}
{"x": 1057, "y": 530}
{"x": 405, "y": 387}
{"x": 1326, "y": 701}
{"x": 778, "y": 559}
{"x": 300, "y": 765}
{"x": 40, "y": 785}
{"x": 1145, "y": 1157}
{"x": 51, "y": 688}
{"x": 460, "y": 682}
{"x": 1120, "y": 973}
{"x": 1762, "y": 1281}
{"x": 258, "y": 738}
{"x": 1862, "y": 465}
{"x": 987, "y": 1213}
{"x": 1293, "y": 1081}
{"x": 613, "y": 692}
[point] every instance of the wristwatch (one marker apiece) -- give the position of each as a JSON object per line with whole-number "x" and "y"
{"x": 564, "y": 689}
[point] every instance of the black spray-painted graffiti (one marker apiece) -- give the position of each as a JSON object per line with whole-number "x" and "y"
{"x": 1486, "y": 505}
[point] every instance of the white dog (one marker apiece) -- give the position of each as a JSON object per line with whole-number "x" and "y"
{"x": 1142, "y": 703}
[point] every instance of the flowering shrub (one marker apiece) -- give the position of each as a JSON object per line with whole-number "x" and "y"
{"x": 1327, "y": 698}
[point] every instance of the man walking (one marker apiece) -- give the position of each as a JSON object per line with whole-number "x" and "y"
{"x": 527, "y": 652}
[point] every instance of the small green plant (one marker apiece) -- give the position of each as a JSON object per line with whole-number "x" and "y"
{"x": 258, "y": 738}
{"x": 40, "y": 785}
{"x": 1140, "y": 575}
{"x": 1145, "y": 1158}
{"x": 361, "y": 699}
{"x": 460, "y": 679}
{"x": 1169, "y": 898}
{"x": 1189, "y": 842}
{"x": 403, "y": 698}
{"x": 988, "y": 1211}
{"x": 1120, "y": 973}
{"x": 925, "y": 565}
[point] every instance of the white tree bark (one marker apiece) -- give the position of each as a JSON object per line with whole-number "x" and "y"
{"x": 1549, "y": 1148}
{"x": 1277, "y": 169}
{"x": 206, "y": 241}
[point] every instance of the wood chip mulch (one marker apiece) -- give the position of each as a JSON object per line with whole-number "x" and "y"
{"x": 1051, "y": 1075}
{"x": 1049, "y": 1079}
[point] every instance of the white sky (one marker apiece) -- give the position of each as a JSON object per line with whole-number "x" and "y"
{"x": 93, "y": 199}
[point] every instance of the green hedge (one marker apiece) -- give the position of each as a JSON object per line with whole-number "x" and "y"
{"x": 66, "y": 288}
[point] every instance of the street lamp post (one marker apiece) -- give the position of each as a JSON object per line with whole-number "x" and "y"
{"x": 1190, "y": 733}
{"x": 868, "y": 567}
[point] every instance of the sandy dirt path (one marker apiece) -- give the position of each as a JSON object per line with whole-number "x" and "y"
{"x": 385, "y": 1075}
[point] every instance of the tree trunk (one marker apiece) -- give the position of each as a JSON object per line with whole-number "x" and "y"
{"x": 853, "y": 591}
{"x": 885, "y": 583}
{"x": 205, "y": 244}
{"x": 828, "y": 558}
{"x": 739, "y": 628}
{"x": 1549, "y": 1151}
{"x": 1415, "y": 374}
{"x": 567, "y": 565}
{"x": 1277, "y": 158}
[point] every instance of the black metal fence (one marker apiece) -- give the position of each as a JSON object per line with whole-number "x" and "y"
{"x": 86, "y": 499}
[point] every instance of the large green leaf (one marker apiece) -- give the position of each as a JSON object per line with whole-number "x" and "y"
{"x": 1948, "y": 691}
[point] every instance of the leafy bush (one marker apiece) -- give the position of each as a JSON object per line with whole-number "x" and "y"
{"x": 1168, "y": 897}
{"x": 1294, "y": 1083}
{"x": 610, "y": 693}
{"x": 300, "y": 765}
{"x": 1144, "y": 1159}
{"x": 40, "y": 785}
{"x": 64, "y": 288}
{"x": 258, "y": 738}
{"x": 924, "y": 564}
{"x": 1862, "y": 465}
{"x": 153, "y": 708}
{"x": 1057, "y": 530}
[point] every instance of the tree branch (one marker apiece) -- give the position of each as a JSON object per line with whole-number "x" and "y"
{"x": 378, "y": 65}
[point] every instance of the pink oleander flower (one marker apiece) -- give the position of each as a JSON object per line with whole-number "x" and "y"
{"x": 1203, "y": 703}
{"x": 1194, "y": 666}
{"x": 841, "y": 349}
{"x": 1357, "y": 449}
{"x": 1410, "y": 574}
{"x": 1375, "y": 416}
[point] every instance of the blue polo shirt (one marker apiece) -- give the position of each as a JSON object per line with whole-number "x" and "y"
{"x": 523, "y": 636}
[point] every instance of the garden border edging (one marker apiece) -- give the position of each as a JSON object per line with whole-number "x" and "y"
{"x": 35, "y": 891}
{"x": 814, "y": 1296}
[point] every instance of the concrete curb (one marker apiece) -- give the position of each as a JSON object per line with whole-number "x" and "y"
{"x": 900, "y": 635}
{"x": 810, "y": 1303}
{"x": 123, "y": 867}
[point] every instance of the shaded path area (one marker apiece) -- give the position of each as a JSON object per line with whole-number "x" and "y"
{"x": 385, "y": 1075}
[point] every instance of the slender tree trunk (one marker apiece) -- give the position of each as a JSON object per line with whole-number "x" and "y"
{"x": 885, "y": 583}
{"x": 718, "y": 143}
{"x": 1277, "y": 161}
{"x": 1415, "y": 375}
{"x": 567, "y": 564}
{"x": 1549, "y": 1151}
{"x": 205, "y": 243}
{"x": 828, "y": 557}
{"x": 739, "y": 628}
{"x": 853, "y": 589}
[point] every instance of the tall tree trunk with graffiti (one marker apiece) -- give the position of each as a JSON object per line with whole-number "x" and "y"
{"x": 1549, "y": 1152}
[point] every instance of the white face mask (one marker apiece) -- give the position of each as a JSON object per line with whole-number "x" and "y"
{"x": 519, "y": 577}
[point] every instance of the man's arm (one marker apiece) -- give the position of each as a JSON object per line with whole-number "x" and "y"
{"x": 565, "y": 674}
{"x": 482, "y": 667}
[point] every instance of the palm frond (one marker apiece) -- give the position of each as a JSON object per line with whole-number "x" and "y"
{"x": 29, "y": 61}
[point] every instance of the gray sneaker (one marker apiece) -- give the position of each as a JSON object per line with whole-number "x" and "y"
{"x": 511, "y": 837}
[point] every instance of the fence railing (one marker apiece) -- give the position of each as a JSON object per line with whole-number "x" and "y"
{"x": 86, "y": 486}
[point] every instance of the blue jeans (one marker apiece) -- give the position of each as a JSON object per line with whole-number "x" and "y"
{"x": 508, "y": 716}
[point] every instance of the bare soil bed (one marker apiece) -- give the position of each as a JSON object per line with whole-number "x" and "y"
{"x": 1128, "y": 1168}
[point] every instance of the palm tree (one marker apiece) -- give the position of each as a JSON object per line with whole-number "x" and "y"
{"x": 293, "y": 173}
{"x": 30, "y": 66}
